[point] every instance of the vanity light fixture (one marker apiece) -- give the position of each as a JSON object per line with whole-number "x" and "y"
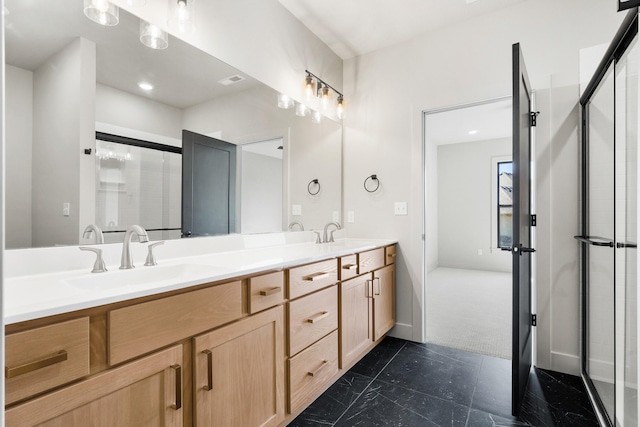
{"x": 152, "y": 36}
{"x": 323, "y": 91}
{"x": 284, "y": 101}
{"x": 102, "y": 12}
{"x": 136, "y": 3}
{"x": 182, "y": 15}
{"x": 316, "y": 117}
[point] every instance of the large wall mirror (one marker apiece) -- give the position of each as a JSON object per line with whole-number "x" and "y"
{"x": 68, "y": 78}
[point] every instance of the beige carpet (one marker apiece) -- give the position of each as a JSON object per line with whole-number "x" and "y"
{"x": 470, "y": 310}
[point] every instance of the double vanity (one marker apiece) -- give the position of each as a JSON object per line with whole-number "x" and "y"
{"x": 234, "y": 330}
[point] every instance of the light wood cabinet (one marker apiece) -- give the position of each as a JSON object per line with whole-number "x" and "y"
{"x": 348, "y": 267}
{"x": 356, "y": 312}
{"x": 265, "y": 291}
{"x": 144, "y": 393}
{"x": 43, "y": 358}
{"x": 371, "y": 260}
{"x": 312, "y": 277}
{"x": 311, "y": 318}
{"x": 384, "y": 305}
{"x": 239, "y": 373}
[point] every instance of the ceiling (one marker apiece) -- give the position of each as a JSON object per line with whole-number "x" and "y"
{"x": 356, "y": 27}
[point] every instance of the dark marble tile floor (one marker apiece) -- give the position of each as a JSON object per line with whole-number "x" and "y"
{"x": 401, "y": 383}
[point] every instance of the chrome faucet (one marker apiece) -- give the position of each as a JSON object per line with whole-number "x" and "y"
{"x": 326, "y": 227}
{"x": 126, "y": 262}
{"x": 97, "y": 233}
{"x": 294, "y": 223}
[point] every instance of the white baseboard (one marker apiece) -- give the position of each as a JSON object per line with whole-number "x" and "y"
{"x": 565, "y": 363}
{"x": 403, "y": 331}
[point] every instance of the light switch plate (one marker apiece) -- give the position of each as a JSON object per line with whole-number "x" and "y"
{"x": 400, "y": 208}
{"x": 66, "y": 209}
{"x": 296, "y": 210}
{"x": 351, "y": 216}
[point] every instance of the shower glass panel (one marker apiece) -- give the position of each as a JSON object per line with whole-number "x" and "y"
{"x": 600, "y": 362}
{"x": 626, "y": 108}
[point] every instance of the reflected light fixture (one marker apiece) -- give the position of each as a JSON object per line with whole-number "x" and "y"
{"x": 316, "y": 117}
{"x": 301, "y": 110}
{"x": 284, "y": 101}
{"x": 182, "y": 15}
{"x": 323, "y": 91}
{"x": 152, "y": 36}
{"x": 136, "y": 3}
{"x": 102, "y": 12}
{"x": 145, "y": 86}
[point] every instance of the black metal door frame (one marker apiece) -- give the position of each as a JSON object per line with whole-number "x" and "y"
{"x": 623, "y": 38}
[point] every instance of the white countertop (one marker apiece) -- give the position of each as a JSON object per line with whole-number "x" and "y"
{"x": 31, "y": 296}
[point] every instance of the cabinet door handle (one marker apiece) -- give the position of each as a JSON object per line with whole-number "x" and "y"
{"x": 270, "y": 291}
{"x": 367, "y": 293}
{"x": 377, "y": 279}
{"x": 178, "y": 371}
{"x": 60, "y": 356}
{"x": 209, "y": 385}
{"x": 315, "y": 276}
{"x": 318, "y": 369}
{"x": 350, "y": 266}
{"x": 317, "y": 317}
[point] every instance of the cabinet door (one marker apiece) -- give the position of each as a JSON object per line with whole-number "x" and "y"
{"x": 384, "y": 305}
{"x": 239, "y": 373}
{"x": 356, "y": 317}
{"x": 147, "y": 392}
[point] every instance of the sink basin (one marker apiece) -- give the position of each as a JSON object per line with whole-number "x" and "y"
{"x": 150, "y": 276}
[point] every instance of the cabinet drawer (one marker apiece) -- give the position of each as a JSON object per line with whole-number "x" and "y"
{"x": 311, "y": 277}
{"x": 47, "y": 357}
{"x": 266, "y": 291}
{"x": 144, "y": 327}
{"x": 311, "y": 318}
{"x": 312, "y": 370}
{"x": 370, "y": 260}
{"x": 348, "y": 267}
{"x": 390, "y": 254}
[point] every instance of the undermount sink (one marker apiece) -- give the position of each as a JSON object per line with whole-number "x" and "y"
{"x": 151, "y": 276}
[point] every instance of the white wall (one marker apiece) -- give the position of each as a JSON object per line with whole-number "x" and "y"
{"x": 387, "y": 91}
{"x": 261, "y": 193}
{"x": 63, "y": 112}
{"x": 466, "y": 221}
{"x": 19, "y": 137}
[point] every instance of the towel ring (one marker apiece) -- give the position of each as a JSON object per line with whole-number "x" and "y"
{"x": 373, "y": 177}
{"x": 316, "y": 182}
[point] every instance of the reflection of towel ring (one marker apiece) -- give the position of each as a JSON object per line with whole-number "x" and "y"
{"x": 316, "y": 182}
{"x": 373, "y": 177}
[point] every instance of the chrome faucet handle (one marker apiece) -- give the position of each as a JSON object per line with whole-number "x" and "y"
{"x": 150, "y": 258}
{"x": 331, "y": 236}
{"x": 318, "y": 238}
{"x": 98, "y": 266}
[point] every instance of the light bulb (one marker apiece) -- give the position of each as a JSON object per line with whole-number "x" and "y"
{"x": 308, "y": 87}
{"x": 340, "y": 107}
{"x": 325, "y": 96}
{"x": 182, "y": 15}
{"x": 101, "y": 12}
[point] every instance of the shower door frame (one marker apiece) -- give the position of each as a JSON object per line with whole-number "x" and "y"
{"x": 627, "y": 32}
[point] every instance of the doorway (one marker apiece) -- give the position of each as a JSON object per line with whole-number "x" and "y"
{"x": 468, "y": 227}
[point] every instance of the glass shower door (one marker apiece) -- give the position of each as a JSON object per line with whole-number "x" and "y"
{"x": 600, "y": 295}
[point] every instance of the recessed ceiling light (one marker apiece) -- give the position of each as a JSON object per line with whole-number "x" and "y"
{"x": 145, "y": 86}
{"x": 473, "y": 132}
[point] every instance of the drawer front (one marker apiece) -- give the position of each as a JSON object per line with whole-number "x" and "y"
{"x": 311, "y": 277}
{"x": 370, "y": 260}
{"x": 311, "y": 318}
{"x": 390, "y": 254}
{"x": 266, "y": 291}
{"x": 144, "y": 327}
{"x": 46, "y": 357}
{"x": 348, "y": 267}
{"x": 312, "y": 370}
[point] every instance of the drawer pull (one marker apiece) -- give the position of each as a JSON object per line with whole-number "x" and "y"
{"x": 318, "y": 369}
{"x": 318, "y": 317}
{"x": 209, "y": 385}
{"x": 377, "y": 279}
{"x": 178, "y": 371}
{"x": 315, "y": 276}
{"x": 393, "y": 255}
{"x": 368, "y": 289}
{"x": 350, "y": 266}
{"x": 270, "y": 291}
{"x": 61, "y": 356}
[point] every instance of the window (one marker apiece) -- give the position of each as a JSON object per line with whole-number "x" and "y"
{"x": 505, "y": 204}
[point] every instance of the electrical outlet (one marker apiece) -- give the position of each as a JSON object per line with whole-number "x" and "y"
{"x": 400, "y": 208}
{"x": 351, "y": 216}
{"x": 296, "y": 210}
